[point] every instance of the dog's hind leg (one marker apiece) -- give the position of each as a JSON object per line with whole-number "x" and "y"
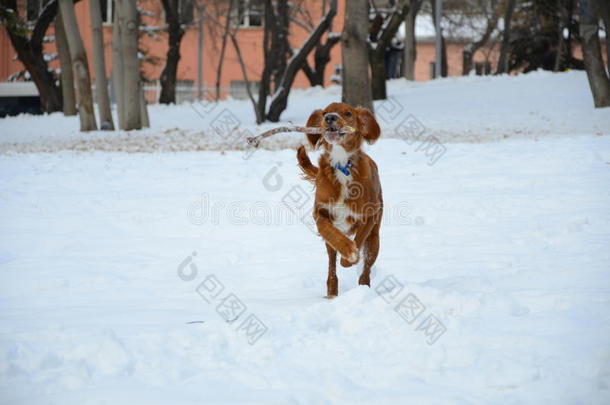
{"x": 332, "y": 283}
{"x": 371, "y": 250}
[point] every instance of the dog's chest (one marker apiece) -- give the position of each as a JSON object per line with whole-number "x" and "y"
{"x": 343, "y": 217}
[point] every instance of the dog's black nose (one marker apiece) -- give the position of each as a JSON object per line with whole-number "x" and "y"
{"x": 331, "y": 118}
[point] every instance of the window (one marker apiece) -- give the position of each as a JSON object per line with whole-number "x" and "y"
{"x": 249, "y": 13}
{"x": 107, "y": 7}
{"x": 239, "y": 91}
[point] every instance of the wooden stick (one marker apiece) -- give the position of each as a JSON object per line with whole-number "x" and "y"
{"x": 255, "y": 140}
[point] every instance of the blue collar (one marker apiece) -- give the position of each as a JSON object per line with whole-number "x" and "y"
{"x": 345, "y": 169}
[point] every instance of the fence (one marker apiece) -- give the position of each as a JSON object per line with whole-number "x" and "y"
{"x": 152, "y": 92}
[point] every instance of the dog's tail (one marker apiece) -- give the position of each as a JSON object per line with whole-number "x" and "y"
{"x": 310, "y": 172}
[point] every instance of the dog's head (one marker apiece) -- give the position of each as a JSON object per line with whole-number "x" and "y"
{"x": 343, "y": 125}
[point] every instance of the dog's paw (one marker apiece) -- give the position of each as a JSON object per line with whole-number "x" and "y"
{"x": 352, "y": 257}
{"x": 364, "y": 279}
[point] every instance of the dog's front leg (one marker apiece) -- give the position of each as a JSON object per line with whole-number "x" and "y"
{"x": 335, "y": 238}
{"x": 362, "y": 232}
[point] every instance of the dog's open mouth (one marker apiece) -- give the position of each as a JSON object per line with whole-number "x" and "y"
{"x": 333, "y": 135}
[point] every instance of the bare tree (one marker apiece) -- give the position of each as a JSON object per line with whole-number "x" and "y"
{"x": 143, "y": 110}
{"x": 303, "y": 18}
{"x": 444, "y": 66}
{"x": 488, "y": 11}
{"x": 101, "y": 84}
{"x": 277, "y": 69}
{"x": 273, "y": 46}
{"x": 30, "y": 51}
{"x": 80, "y": 66}
{"x": 223, "y": 47}
{"x": 356, "y": 89}
{"x": 410, "y": 41}
{"x": 177, "y": 14}
{"x": 280, "y": 98}
{"x": 65, "y": 63}
{"x": 505, "y": 47}
{"x": 128, "y": 20}
{"x": 380, "y": 41}
{"x": 590, "y": 13}
{"x": 117, "y": 66}
{"x": 260, "y": 117}
{"x": 321, "y": 57}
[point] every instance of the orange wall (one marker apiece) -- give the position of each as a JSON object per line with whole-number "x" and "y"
{"x": 155, "y": 46}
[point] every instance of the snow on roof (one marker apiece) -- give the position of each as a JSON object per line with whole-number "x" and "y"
{"x": 459, "y": 27}
{"x": 454, "y": 27}
{"x": 14, "y": 89}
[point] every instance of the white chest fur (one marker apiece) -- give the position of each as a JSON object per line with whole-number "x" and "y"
{"x": 340, "y": 213}
{"x": 339, "y": 156}
{"x": 338, "y": 209}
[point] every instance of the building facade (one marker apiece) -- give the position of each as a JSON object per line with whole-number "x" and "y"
{"x": 203, "y": 36}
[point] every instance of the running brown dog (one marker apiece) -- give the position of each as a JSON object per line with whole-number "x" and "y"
{"x": 348, "y": 201}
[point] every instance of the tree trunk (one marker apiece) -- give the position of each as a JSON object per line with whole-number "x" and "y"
{"x": 280, "y": 98}
{"x": 444, "y": 64}
{"x": 260, "y": 115}
{"x": 175, "y": 34}
{"x": 131, "y": 64}
{"x": 505, "y": 47}
{"x": 356, "y": 89}
{"x": 80, "y": 66}
{"x": 29, "y": 50}
{"x": 143, "y": 109}
{"x": 322, "y": 57}
{"x": 473, "y": 47}
{"x": 378, "y": 76}
{"x": 101, "y": 84}
{"x": 594, "y": 64}
{"x": 117, "y": 66}
{"x": 604, "y": 12}
{"x": 280, "y": 32}
{"x": 269, "y": 63}
{"x": 223, "y": 47}
{"x": 377, "y": 54}
{"x": 467, "y": 55}
{"x": 65, "y": 62}
{"x": 33, "y": 9}
{"x": 200, "y": 37}
{"x": 410, "y": 41}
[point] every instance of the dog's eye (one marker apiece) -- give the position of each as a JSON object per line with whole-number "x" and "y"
{"x": 348, "y": 114}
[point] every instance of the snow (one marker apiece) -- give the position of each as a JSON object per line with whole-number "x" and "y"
{"x": 462, "y": 109}
{"x": 495, "y": 236}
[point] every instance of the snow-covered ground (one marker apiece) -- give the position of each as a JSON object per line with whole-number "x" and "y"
{"x": 118, "y": 271}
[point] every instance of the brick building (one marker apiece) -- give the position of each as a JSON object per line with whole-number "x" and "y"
{"x": 206, "y": 30}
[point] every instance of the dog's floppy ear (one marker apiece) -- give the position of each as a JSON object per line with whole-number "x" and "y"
{"x": 315, "y": 120}
{"x": 368, "y": 126}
